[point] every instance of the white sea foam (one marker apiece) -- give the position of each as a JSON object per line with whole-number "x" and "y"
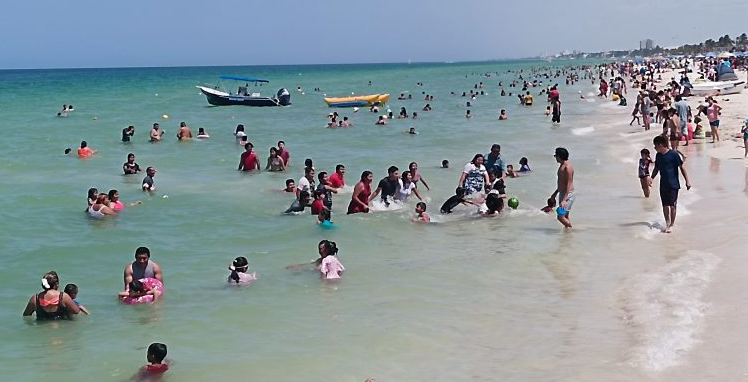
{"x": 664, "y": 309}
{"x": 582, "y": 130}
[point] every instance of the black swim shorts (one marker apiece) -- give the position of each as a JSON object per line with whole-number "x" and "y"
{"x": 669, "y": 196}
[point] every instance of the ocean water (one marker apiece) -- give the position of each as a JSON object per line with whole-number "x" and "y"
{"x": 466, "y": 298}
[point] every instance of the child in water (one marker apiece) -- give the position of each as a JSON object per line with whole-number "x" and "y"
{"x": 330, "y": 267}
{"x": 323, "y": 217}
{"x": 72, "y": 291}
{"x": 157, "y": 364}
{"x": 422, "y": 216}
{"x": 524, "y": 166}
{"x": 139, "y": 289}
{"x": 240, "y": 272}
{"x": 202, "y": 134}
{"x": 93, "y": 193}
{"x": 445, "y": 163}
{"x": 510, "y": 171}
{"x": 646, "y": 181}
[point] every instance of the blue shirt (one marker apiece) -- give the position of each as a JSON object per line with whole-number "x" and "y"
{"x": 668, "y": 164}
{"x": 495, "y": 165}
{"x": 682, "y": 108}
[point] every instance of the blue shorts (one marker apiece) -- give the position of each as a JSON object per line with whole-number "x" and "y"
{"x": 714, "y": 123}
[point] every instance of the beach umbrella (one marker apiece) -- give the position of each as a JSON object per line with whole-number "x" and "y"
{"x": 725, "y": 55}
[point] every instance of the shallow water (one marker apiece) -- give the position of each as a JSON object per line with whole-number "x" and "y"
{"x": 509, "y": 298}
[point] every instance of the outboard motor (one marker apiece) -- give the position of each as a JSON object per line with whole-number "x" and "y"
{"x": 284, "y": 97}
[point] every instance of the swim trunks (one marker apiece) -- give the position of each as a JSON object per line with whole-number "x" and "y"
{"x": 569, "y": 201}
{"x": 668, "y": 196}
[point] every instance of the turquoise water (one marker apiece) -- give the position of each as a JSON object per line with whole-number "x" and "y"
{"x": 465, "y": 298}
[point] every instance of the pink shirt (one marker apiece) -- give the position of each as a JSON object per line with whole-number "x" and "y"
{"x": 712, "y": 113}
{"x": 331, "y": 268}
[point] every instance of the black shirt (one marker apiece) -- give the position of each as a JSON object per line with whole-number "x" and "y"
{"x": 130, "y": 168}
{"x": 388, "y": 186}
{"x": 126, "y": 135}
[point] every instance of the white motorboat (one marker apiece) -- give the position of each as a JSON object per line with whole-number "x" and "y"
{"x": 702, "y": 89}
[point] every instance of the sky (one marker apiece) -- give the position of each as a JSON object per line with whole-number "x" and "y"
{"x": 103, "y": 33}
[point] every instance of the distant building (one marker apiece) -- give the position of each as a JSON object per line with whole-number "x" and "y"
{"x": 647, "y": 44}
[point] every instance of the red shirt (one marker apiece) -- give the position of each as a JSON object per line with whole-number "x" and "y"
{"x": 337, "y": 181}
{"x": 284, "y": 155}
{"x": 317, "y": 206}
{"x": 249, "y": 161}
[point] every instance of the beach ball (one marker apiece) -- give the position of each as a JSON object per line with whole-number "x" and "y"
{"x": 561, "y": 211}
{"x": 165, "y": 116}
{"x": 513, "y": 203}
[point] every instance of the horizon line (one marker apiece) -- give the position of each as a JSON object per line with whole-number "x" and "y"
{"x": 279, "y": 65}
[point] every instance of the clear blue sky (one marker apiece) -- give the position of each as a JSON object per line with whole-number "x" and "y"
{"x": 105, "y": 33}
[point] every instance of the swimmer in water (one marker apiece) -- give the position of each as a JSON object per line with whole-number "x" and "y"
{"x": 381, "y": 121}
{"x": 72, "y": 291}
{"x": 412, "y": 131}
{"x": 445, "y": 163}
{"x": 84, "y": 151}
{"x": 290, "y": 186}
{"x": 547, "y": 111}
{"x": 157, "y": 364}
{"x": 240, "y": 272}
{"x": 323, "y": 216}
{"x": 421, "y": 215}
{"x": 502, "y": 115}
{"x": 201, "y": 134}
{"x": 510, "y": 171}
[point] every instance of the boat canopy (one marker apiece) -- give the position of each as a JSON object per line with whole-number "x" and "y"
{"x": 246, "y": 79}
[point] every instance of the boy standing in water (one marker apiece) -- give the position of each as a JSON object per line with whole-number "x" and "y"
{"x": 564, "y": 185}
{"x": 668, "y": 162}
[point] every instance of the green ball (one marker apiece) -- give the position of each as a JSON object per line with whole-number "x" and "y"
{"x": 513, "y": 203}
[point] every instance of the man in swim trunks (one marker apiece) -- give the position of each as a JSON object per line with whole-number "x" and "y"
{"x": 337, "y": 180}
{"x": 130, "y": 167}
{"x": 528, "y": 99}
{"x": 564, "y": 185}
{"x": 387, "y": 186}
{"x": 155, "y": 133}
{"x": 184, "y": 133}
{"x": 142, "y": 267}
{"x": 668, "y": 162}
{"x": 150, "y": 172}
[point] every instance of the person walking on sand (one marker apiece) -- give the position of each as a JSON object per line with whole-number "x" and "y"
{"x": 564, "y": 185}
{"x": 668, "y": 162}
